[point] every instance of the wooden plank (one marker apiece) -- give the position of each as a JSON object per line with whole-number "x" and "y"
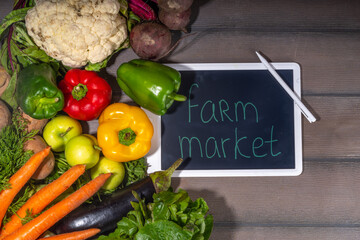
{"x": 278, "y": 15}
{"x": 293, "y": 233}
{"x": 336, "y": 135}
{"x": 325, "y": 194}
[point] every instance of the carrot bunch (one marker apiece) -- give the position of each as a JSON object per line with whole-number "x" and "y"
{"x": 14, "y": 230}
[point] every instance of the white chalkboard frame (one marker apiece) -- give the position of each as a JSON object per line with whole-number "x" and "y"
{"x": 154, "y": 156}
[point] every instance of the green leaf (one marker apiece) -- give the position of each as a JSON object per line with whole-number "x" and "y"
{"x": 5, "y": 58}
{"x": 169, "y": 197}
{"x": 135, "y": 170}
{"x": 160, "y": 211}
{"x": 21, "y": 33}
{"x": 124, "y": 231}
{"x": 98, "y": 66}
{"x": 163, "y": 230}
{"x": 209, "y": 223}
{"x": 128, "y": 227}
{"x": 30, "y": 3}
{"x": 124, "y": 7}
{"x": 132, "y": 20}
{"x": 9, "y": 94}
{"x": 162, "y": 179}
{"x": 13, "y": 17}
{"x": 38, "y": 54}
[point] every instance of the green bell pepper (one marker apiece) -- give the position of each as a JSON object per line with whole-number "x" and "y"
{"x": 37, "y": 93}
{"x": 152, "y": 85}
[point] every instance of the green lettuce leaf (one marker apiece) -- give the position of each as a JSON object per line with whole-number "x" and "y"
{"x": 162, "y": 230}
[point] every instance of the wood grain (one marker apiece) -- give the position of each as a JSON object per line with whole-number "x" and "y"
{"x": 286, "y": 232}
{"x": 336, "y": 135}
{"x": 277, "y": 15}
{"x": 326, "y": 194}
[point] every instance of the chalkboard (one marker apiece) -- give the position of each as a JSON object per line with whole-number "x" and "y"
{"x": 237, "y": 121}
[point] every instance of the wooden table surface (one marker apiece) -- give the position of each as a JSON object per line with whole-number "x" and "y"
{"x": 323, "y": 36}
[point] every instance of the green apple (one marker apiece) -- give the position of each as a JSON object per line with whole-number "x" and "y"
{"x": 82, "y": 149}
{"x": 59, "y": 130}
{"x": 106, "y": 165}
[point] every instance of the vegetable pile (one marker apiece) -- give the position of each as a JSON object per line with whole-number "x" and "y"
{"x": 34, "y": 228}
{"x": 55, "y": 177}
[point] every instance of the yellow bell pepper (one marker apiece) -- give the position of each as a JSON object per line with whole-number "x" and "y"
{"x": 124, "y": 133}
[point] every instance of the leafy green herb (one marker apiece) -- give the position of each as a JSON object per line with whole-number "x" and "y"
{"x": 13, "y": 157}
{"x": 134, "y": 171}
{"x": 28, "y": 217}
{"x": 171, "y": 216}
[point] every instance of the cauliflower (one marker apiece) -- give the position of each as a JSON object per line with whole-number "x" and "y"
{"x": 77, "y": 31}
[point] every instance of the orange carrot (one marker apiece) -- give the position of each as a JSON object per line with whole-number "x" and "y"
{"x": 43, "y": 198}
{"x": 19, "y": 179}
{"x": 33, "y": 229}
{"x": 78, "y": 235}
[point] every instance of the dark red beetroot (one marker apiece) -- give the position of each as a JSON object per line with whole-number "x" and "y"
{"x": 150, "y": 40}
{"x": 175, "y": 20}
{"x": 175, "y": 5}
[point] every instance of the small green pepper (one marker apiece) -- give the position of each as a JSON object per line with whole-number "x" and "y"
{"x": 152, "y": 85}
{"x": 37, "y": 93}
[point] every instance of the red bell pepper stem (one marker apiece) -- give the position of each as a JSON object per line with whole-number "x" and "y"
{"x": 79, "y": 91}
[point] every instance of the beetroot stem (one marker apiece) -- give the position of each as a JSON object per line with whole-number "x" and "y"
{"x": 142, "y": 9}
{"x": 19, "y": 4}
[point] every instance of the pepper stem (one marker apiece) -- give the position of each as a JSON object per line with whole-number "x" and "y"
{"x": 79, "y": 91}
{"x": 177, "y": 97}
{"x": 127, "y": 136}
{"x": 46, "y": 100}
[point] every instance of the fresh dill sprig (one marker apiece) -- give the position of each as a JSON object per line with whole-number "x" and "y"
{"x": 13, "y": 157}
{"x": 12, "y": 154}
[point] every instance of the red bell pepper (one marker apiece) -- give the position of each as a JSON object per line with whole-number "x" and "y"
{"x": 86, "y": 94}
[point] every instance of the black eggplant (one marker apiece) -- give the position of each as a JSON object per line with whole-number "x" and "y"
{"x": 106, "y": 213}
